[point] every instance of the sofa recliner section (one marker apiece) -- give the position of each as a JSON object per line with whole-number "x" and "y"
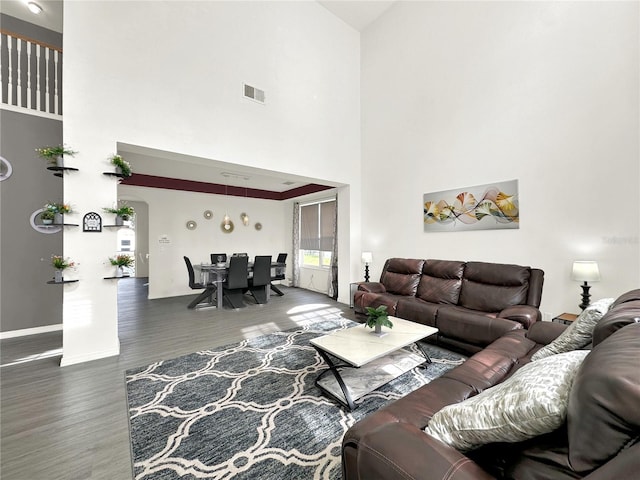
{"x": 471, "y": 303}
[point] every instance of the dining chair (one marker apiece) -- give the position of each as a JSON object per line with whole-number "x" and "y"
{"x": 237, "y": 281}
{"x": 218, "y": 258}
{"x": 209, "y": 289}
{"x": 242, "y": 254}
{"x": 259, "y": 283}
{"x": 279, "y": 273}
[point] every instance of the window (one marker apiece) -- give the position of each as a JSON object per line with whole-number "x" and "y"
{"x": 316, "y": 233}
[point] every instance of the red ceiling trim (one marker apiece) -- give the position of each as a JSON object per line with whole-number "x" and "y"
{"x": 154, "y": 181}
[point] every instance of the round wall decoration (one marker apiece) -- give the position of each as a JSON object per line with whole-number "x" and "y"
{"x": 208, "y": 214}
{"x": 42, "y": 228}
{"x": 5, "y": 169}
{"x": 227, "y": 227}
{"x": 258, "y": 226}
{"x": 191, "y": 225}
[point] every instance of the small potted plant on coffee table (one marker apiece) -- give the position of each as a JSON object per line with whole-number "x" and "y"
{"x": 377, "y": 318}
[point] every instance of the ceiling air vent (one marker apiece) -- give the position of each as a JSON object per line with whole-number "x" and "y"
{"x": 253, "y": 93}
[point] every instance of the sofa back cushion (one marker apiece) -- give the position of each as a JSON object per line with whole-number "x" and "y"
{"x": 401, "y": 275}
{"x": 603, "y": 415}
{"x": 491, "y": 287}
{"x": 441, "y": 281}
{"x": 624, "y": 310}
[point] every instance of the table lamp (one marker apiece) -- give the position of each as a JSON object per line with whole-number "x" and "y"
{"x": 585, "y": 271}
{"x": 367, "y": 258}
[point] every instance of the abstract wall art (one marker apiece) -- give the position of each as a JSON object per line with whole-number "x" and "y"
{"x": 483, "y": 207}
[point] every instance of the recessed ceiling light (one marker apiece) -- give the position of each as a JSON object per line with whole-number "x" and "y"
{"x": 34, "y": 7}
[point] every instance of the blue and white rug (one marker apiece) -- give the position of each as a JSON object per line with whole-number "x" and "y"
{"x": 250, "y": 410}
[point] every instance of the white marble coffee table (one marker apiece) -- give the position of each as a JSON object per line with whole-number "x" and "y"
{"x": 369, "y": 361}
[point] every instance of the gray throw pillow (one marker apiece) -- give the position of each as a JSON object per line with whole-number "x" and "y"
{"x": 530, "y": 403}
{"x": 579, "y": 333}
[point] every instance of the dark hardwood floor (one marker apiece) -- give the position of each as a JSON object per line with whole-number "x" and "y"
{"x": 71, "y": 423}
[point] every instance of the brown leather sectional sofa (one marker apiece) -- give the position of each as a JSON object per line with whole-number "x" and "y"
{"x": 471, "y": 303}
{"x": 598, "y": 441}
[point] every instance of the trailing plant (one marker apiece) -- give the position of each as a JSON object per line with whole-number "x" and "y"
{"x": 118, "y": 161}
{"x": 378, "y": 316}
{"x": 51, "y": 153}
{"x": 124, "y": 211}
{"x": 61, "y": 263}
{"x": 121, "y": 261}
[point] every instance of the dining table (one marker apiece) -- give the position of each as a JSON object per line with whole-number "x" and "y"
{"x": 216, "y": 273}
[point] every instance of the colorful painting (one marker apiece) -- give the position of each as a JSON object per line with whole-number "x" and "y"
{"x": 483, "y": 207}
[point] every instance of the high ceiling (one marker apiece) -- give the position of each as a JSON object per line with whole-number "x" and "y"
{"x": 358, "y": 14}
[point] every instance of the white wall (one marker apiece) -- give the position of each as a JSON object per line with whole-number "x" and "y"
{"x": 168, "y": 76}
{"x": 170, "y": 240}
{"x": 458, "y": 94}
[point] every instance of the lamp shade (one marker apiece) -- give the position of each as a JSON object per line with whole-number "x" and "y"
{"x": 367, "y": 257}
{"x": 585, "y": 271}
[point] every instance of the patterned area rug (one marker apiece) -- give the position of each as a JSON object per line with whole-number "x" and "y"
{"x": 250, "y": 410}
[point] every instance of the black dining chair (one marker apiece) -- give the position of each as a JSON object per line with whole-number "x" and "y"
{"x": 279, "y": 272}
{"x": 237, "y": 281}
{"x": 259, "y": 283}
{"x": 218, "y": 258}
{"x": 208, "y": 292}
{"x": 242, "y": 254}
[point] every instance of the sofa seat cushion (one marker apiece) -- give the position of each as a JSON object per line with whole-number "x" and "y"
{"x": 579, "y": 333}
{"x": 416, "y": 310}
{"x": 492, "y": 287}
{"x": 441, "y": 281}
{"x": 604, "y": 406}
{"x": 530, "y": 403}
{"x": 474, "y": 327}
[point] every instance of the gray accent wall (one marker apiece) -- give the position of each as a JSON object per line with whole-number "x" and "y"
{"x": 26, "y": 300}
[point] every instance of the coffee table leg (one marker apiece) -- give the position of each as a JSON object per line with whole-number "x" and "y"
{"x": 336, "y": 373}
{"x": 426, "y": 356}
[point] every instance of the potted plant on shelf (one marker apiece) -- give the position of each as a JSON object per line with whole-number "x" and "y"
{"x": 58, "y": 210}
{"x": 55, "y": 155}
{"x": 123, "y": 213}
{"x": 60, "y": 263}
{"x": 377, "y": 318}
{"x": 122, "y": 166}
{"x": 120, "y": 261}
{"x": 47, "y": 216}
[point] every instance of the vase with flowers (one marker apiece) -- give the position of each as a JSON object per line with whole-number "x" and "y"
{"x": 55, "y": 155}
{"x": 58, "y": 210}
{"x": 123, "y": 213}
{"x": 121, "y": 261}
{"x": 122, "y": 166}
{"x": 60, "y": 264}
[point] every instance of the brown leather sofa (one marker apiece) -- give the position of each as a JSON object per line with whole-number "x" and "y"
{"x": 598, "y": 441}
{"x": 471, "y": 303}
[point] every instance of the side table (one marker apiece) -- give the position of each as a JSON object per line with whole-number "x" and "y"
{"x": 566, "y": 318}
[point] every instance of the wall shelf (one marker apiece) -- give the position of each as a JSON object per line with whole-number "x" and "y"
{"x": 60, "y": 170}
{"x": 111, "y": 278}
{"x": 116, "y": 226}
{"x": 114, "y": 174}
{"x": 53, "y": 282}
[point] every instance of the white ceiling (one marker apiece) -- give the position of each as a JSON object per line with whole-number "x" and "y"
{"x": 358, "y": 14}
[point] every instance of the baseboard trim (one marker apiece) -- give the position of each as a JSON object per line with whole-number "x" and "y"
{"x": 30, "y": 331}
{"x": 72, "y": 360}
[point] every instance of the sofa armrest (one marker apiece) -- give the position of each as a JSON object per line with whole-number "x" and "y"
{"x": 403, "y": 451}
{"x": 372, "y": 287}
{"x": 524, "y": 314}
{"x": 545, "y": 332}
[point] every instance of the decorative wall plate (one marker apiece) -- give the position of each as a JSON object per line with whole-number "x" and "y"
{"x": 227, "y": 227}
{"x": 191, "y": 225}
{"x": 92, "y": 222}
{"x": 208, "y": 214}
{"x": 258, "y": 226}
